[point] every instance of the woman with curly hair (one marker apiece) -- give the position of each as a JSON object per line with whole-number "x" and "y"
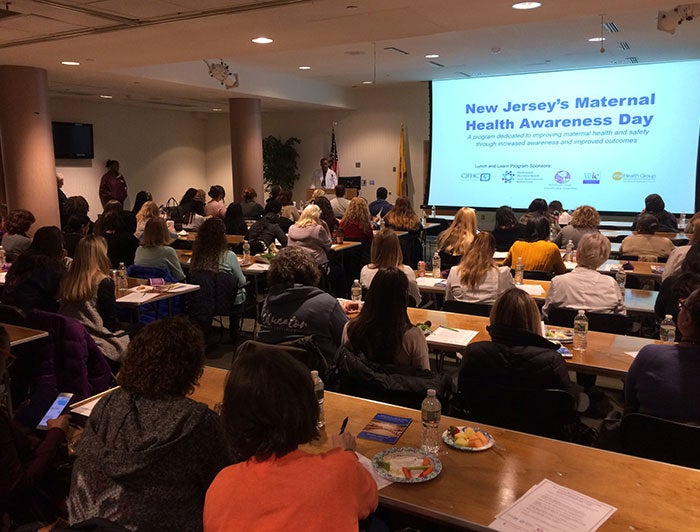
{"x": 455, "y": 241}
{"x": 15, "y": 240}
{"x": 585, "y": 219}
{"x": 357, "y": 222}
{"x": 87, "y": 294}
{"x": 477, "y": 279}
{"x": 252, "y": 210}
{"x": 312, "y": 234}
{"x": 403, "y": 218}
{"x": 148, "y": 438}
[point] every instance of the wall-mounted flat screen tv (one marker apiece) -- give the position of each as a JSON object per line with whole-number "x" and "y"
{"x": 72, "y": 140}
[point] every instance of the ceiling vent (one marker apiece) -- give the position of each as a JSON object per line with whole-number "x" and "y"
{"x": 623, "y": 45}
{"x": 436, "y": 64}
{"x": 464, "y": 74}
{"x": 632, "y": 60}
{"x": 611, "y": 27}
{"x": 396, "y": 50}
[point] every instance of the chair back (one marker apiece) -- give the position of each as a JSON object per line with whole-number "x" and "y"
{"x": 597, "y": 321}
{"x": 550, "y": 413}
{"x": 462, "y": 307}
{"x": 12, "y": 315}
{"x": 661, "y": 439}
{"x": 150, "y": 311}
{"x": 215, "y": 297}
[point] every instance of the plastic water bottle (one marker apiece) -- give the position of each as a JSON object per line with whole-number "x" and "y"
{"x": 437, "y": 265}
{"x": 433, "y": 211}
{"x": 356, "y": 291}
{"x": 580, "y": 331}
{"x": 667, "y": 330}
{"x": 318, "y": 389}
{"x": 430, "y": 416}
{"x": 519, "y": 270}
{"x": 382, "y": 223}
{"x": 621, "y": 278}
{"x": 3, "y": 262}
{"x": 122, "y": 282}
{"x": 569, "y": 250}
{"x": 681, "y": 224}
{"x": 246, "y": 252}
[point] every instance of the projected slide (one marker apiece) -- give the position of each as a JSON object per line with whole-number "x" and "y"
{"x": 605, "y": 137}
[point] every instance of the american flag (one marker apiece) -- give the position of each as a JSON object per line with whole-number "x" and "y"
{"x": 333, "y": 156}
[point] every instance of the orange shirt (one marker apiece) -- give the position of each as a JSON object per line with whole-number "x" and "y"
{"x": 300, "y": 491}
{"x": 541, "y": 255}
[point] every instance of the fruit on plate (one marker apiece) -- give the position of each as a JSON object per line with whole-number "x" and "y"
{"x": 468, "y": 437}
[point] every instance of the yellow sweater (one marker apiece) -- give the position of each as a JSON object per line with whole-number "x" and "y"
{"x": 541, "y": 255}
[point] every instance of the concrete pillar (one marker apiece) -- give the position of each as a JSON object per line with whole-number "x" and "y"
{"x": 28, "y": 164}
{"x": 246, "y": 146}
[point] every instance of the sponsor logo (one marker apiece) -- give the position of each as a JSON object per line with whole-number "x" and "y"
{"x": 591, "y": 178}
{"x": 562, "y": 176}
{"x": 617, "y": 176}
{"x": 485, "y": 177}
{"x": 508, "y": 177}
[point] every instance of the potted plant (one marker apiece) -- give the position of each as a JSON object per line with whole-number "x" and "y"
{"x": 280, "y": 162}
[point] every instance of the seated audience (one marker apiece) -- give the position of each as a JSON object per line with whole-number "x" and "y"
{"x": 234, "y": 222}
{"x": 455, "y": 241}
{"x": 295, "y": 307}
{"x": 403, "y": 218}
{"x": 267, "y": 229}
{"x": 310, "y": 233}
{"x": 121, "y": 242}
{"x": 264, "y": 430}
{"x": 149, "y": 211}
{"x": 357, "y": 223}
{"x": 386, "y": 253}
{"x": 645, "y": 242}
{"x": 585, "y": 288}
{"x": 505, "y": 230}
{"x": 29, "y": 490}
{"x": 76, "y": 205}
{"x": 585, "y": 219}
{"x": 379, "y": 207}
{"x": 216, "y": 206}
{"x": 289, "y": 210}
{"x": 655, "y": 206}
{"x": 340, "y": 203}
{"x": 559, "y": 215}
{"x": 517, "y": 357}
{"x": 383, "y": 332}
{"x": 252, "y": 210}
{"x": 274, "y": 194}
{"x": 538, "y": 207}
{"x": 149, "y": 453}
{"x": 32, "y": 280}
{"x": 87, "y": 294}
{"x": 194, "y": 217}
{"x": 142, "y": 196}
{"x": 184, "y": 206}
{"x": 15, "y": 240}
{"x": 210, "y": 253}
{"x": 155, "y": 251}
{"x": 537, "y": 252}
{"x": 664, "y": 379}
{"x": 675, "y": 259}
{"x": 327, "y": 214}
{"x": 75, "y": 228}
{"x": 113, "y": 206}
{"x": 477, "y": 279}
{"x": 679, "y": 285}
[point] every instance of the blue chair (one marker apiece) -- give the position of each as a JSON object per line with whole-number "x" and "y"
{"x": 149, "y": 312}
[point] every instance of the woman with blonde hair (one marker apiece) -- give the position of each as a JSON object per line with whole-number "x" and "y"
{"x": 454, "y": 242}
{"x": 403, "y": 218}
{"x": 148, "y": 211}
{"x": 357, "y": 222}
{"x": 154, "y": 251}
{"x": 311, "y": 233}
{"x": 386, "y": 253}
{"x": 86, "y": 293}
{"x": 585, "y": 219}
{"x": 477, "y": 279}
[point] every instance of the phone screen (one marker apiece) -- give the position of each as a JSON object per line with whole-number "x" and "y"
{"x": 565, "y": 352}
{"x": 56, "y": 409}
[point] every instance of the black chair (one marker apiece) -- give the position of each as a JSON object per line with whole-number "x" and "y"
{"x": 644, "y": 258}
{"x": 462, "y": 307}
{"x": 550, "y": 413}
{"x": 537, "y": 275}
{"x": 12, "y": 315}
{"x": 214, "y": 299}
{"x": 661, "y": 439}
{"x": 607, "y": 323}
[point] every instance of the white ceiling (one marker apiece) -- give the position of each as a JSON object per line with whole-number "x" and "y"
{"x": 150, "y": 52}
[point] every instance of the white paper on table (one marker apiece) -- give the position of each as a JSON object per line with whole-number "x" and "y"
{"x": 549, "y": 507}
{"x": 367, "y": 464}
{"x": 428, "y": 281}
{"x": 569, "y": 265}
{"x": 500, "y": 255}
{"x": 138, "y": 297}
{"x": 608, "y": 268}
{"x": 532, "y": 289}
{"x": 258, "y": 267}
{"x": 633, "y": 354}
{"x": 85, "y": 409}
{"x": 446, "y": 336}
{"x": 180, "y": 287}
{"x": 182, "y": 233}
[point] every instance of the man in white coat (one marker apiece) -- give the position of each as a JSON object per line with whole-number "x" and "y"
{"x": 324, "y": 177}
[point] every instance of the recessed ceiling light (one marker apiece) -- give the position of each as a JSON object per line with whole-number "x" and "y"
{"x": 596, "y": 39}
{"x": 216, "y": 108}
{"x": 527, "y": 5}
{"x": 304, "y": 68}
{"x": 432, "y": 56}
{"x": 106, "y": 96}
{"x": 70, "y": 63}
{"x": 367, "y": 82}
{"x": 351, "y": 7}
{"x": 262, "y": 40}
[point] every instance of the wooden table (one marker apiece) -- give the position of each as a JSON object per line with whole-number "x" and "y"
{"x": 605, "y": 355}
{"x": 347, "y": 244}
{"x": 192, "y": 236}
{"x": 676, "y": 238}
{"x": 474, "y": 487}
{"x": 22, "y": 335}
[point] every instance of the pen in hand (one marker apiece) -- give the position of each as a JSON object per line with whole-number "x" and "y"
{"x": 344, "y": 424}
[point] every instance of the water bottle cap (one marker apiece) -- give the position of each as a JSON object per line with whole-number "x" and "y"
{"x": 668, "y": 317}
{"x": 581, "y": 312}
{"x": 314, "y": 373}
{"x": 431, "y": 393}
